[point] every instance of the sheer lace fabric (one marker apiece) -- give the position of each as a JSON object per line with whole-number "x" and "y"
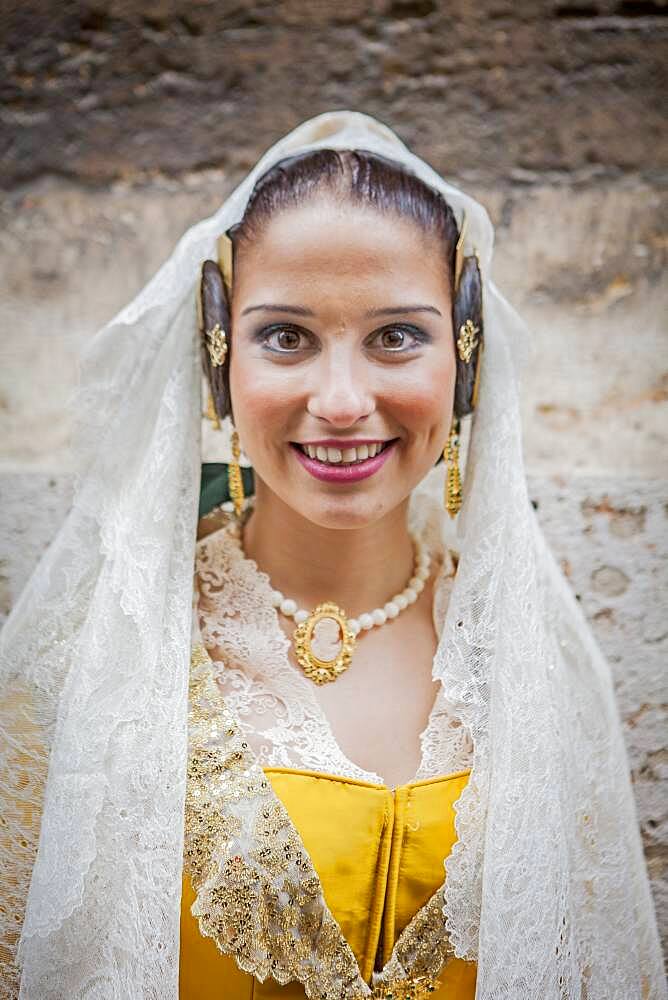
{"x": 274, "y": 703}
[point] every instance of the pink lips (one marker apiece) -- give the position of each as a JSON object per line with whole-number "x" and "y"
{"x": 344, "y": 473}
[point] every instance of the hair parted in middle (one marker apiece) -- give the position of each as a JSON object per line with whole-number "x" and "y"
{"x": 366, "y": 179}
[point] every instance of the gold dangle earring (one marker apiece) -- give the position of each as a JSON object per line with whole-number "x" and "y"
{"x": 235, "y": 480}
{"x": 453, "y": 482}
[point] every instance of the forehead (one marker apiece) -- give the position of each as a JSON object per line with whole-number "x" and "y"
{"x": 327, "y": 246}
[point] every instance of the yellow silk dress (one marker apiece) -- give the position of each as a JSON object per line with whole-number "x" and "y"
{"x": 379, "y": 856}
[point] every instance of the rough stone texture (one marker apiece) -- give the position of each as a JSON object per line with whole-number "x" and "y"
{"x": 122, "y": 123}
{"x": 34, "y": 507}
{"x": 102, "y": 89}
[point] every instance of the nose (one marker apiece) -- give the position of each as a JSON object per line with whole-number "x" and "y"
{"x": 340, "y": 390}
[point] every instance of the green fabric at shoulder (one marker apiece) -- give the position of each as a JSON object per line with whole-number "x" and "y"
{"x": 214, "y": 488}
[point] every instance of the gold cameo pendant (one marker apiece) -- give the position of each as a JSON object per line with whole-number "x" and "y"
{"x": 324, "y": 644}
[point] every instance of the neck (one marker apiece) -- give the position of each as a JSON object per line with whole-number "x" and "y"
{"x": 359, "y": 569}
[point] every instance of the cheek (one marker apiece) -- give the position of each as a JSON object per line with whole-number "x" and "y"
{"x": 263, "y": 399}
{"x": 423, "y": 400}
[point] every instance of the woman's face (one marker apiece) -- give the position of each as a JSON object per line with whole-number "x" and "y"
{"x": 341, "y": 339}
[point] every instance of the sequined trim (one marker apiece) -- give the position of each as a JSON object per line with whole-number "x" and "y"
{"x": 258, "y": 895}
{"x": 418, "y": 988}
{"x": 422, "y": 949}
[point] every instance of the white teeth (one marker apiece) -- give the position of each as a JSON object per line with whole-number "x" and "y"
{"x": 335, "y": 456}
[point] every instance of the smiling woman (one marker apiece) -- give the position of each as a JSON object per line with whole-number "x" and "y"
{"x": 343, "y": 411}
{"x": 343, "y": 376}
{"x": 370, "y": 748}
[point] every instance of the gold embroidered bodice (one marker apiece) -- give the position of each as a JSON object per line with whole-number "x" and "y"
{"x": 260, "y": 897}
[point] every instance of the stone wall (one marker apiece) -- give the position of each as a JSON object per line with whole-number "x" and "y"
{"x": 491, "y": 89}
{"x": 123, "y": 123}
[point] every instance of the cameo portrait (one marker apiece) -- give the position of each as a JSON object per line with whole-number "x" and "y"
{"x": 326, "y": 639}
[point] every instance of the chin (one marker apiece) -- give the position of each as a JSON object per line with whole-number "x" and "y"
{"x": 344, "y": 513}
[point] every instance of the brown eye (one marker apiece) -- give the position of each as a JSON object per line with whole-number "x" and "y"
{"x": 392, "y": 339}
{"x": 401, "y": 340}
{"x": 280, "y": 339}
{"x": 287, "y": 340}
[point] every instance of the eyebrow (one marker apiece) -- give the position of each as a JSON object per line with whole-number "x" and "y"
{"x": 399, "y": 310}
{"x": 300, "y": 311}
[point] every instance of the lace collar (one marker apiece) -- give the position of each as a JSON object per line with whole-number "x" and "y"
{"x": 275, "y": 705}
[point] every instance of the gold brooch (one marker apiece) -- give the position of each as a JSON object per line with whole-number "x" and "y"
{"x": 324, "y": 643}
{"x": 217, "y": 345}
{"x": 467, "y": 341}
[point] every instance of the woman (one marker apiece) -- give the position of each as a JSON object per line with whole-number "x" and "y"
{"x": 331, "y": 748}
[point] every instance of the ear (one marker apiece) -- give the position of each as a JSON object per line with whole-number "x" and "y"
{"x": 467, "y": 306}
{"x": 213, "y": 308}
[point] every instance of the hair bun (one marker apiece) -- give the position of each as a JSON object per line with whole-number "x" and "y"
{"x": 467, "y": 306}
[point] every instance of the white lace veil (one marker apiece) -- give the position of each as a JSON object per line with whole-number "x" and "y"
{"x": 546, "y": 887}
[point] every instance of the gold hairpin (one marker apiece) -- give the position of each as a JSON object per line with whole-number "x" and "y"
{"x": 217, "y": 345}
{"x": 459, "y": 251}
{"x": 467, "y": 340}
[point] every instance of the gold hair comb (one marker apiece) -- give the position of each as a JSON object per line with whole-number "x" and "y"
{"x": 459, "y": 251}
{"x": 225, "y": 259}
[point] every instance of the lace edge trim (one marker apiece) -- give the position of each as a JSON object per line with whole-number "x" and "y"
{"x": 258, "y": 895}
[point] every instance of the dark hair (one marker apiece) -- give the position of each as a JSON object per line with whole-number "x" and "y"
{"x": 367, "y": 179}
{"x": 350, "y": 175}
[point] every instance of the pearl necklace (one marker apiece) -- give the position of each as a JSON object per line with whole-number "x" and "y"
{"x": 325, "y": 638}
